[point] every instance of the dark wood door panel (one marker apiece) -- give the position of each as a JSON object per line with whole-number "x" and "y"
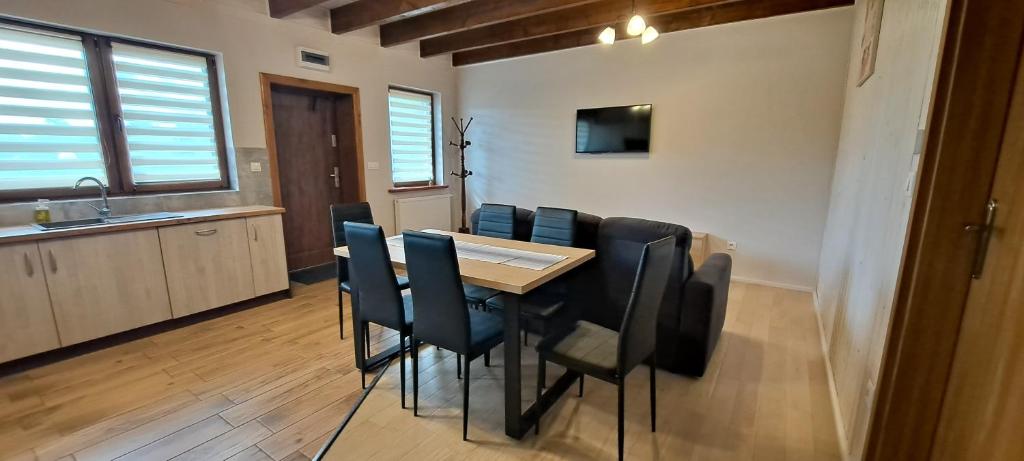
{"x": 304, "y": 122}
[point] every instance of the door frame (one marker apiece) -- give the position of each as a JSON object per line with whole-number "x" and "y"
{"x": 980, "y": 55}
{"x": 267, "y": 82}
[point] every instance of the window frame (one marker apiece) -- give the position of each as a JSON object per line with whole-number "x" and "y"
{"x": 432, "y": 182}
{"x": 109, "y": 119}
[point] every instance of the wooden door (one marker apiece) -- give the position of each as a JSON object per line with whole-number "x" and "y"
{"x": 311, "y": 170}
{"x": 207, "y": 265}
{"x": 983, "y": 411}
{"x": 105, "y": 284}
{"x": 266, "y": 248}
{"x": 26, "y": 319}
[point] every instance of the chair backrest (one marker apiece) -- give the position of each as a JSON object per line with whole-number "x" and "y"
{"x": 380, "y": 299}
{"x": 497, "y": 221}
{"x": 442, "y": 316}
{"x": 638, "y": 333}
{"x": 554, "y": 226}
{"x": 341, "y": 212}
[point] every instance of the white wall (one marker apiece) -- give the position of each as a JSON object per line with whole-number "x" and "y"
{"x": 746, "y": 120}
{"x": 870, "y": 204}
{"x": 250, "y": 42}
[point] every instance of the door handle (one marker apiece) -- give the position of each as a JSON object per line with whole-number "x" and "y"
{"x": 53, "y": 262}
{"x": 255, "y": 234}
{"x": 986, "y": 237}
{"x": 206, "y": 232}
{"x": 29, "y": 270}
{"x": 337, "y": 177}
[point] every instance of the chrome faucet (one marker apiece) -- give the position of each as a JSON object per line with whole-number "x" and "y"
{"x": 105, "y": 211}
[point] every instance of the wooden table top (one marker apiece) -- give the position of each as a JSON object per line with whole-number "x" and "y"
{"x": 506, "y": 278}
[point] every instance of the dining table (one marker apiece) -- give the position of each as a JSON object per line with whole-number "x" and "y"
{"x": 513, "y": 278}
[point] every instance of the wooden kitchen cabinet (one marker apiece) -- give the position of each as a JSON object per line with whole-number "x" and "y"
{"x": 105, "y": 284}
{"x": 26, "y": 319}
{"x": 207, "y": 265}
{"x": 266, "y": 248}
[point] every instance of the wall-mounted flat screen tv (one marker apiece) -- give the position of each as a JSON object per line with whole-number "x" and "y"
{"x": 613, "y": 129}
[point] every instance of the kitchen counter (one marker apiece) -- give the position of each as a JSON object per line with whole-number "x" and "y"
{"x": 27, "y": 233}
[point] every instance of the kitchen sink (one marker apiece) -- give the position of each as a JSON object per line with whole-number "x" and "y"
{"x": 57, "y": 225}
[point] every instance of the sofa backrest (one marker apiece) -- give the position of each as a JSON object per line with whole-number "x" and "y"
{"x": 620, "y": 243}
{"x": 586, "y": 227}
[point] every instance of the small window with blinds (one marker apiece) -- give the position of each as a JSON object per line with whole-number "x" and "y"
{"x": 48, "y": 131}
{"x": 138, "y": 117}
{"x": 168, "y": 117}
{"x": 411, "y": 120}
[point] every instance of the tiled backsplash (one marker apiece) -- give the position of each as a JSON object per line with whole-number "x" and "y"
{"x": 252, "y": 189}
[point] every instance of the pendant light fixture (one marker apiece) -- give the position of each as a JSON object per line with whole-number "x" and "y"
{"x": 649, "y": 35}
{"x": 635, "y": 26}
{"x": 607, "y": 36}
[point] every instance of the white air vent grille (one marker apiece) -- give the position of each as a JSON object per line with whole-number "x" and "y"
{"x": 313, "y": 59}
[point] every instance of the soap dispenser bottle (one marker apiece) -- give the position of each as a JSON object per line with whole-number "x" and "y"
{"x": 42, "y": 213}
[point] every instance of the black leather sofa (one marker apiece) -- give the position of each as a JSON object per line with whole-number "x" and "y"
{"x": 693, "y": 309}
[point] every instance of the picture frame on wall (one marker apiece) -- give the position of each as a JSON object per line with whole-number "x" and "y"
{"x": 869, "y": 40}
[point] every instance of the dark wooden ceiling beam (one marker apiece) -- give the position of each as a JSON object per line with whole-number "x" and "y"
{"x": 366, "y": 13}
{"x": 602, "y": 13}
{"x": 467, "y": 16}
{"x": 691, "y": 19}
{"x": 282, "y": 8}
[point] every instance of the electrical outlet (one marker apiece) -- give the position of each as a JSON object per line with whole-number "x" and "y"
{"x": 372, "y": 165}
{"x": 255, "y": 167}
{"x": 731, "y": 245}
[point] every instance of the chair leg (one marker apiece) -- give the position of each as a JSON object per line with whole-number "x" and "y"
{"x": 581, "y": 385}
{"x": 362, "y": 369}
{"x": 622, "y": 412}
{"x": 654, "y": 400}
{"x": 415, "y": 378}
{"x": 465, "y": 402}
{"x": 487, "y": 359}
{"x": 526, "y": 338}
{"x": 341, "y": 314}
{"x": 458, "y": 366}
{"x": 541, "y": 366}
{"x": 401, "y": 363}
{"x": 366, "y": 339}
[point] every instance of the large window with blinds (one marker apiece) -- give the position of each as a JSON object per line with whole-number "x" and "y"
{"x": 411, "y": 121}
{"x": 138, "y": 117}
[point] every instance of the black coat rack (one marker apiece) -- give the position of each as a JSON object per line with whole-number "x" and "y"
{"x": 463, "y": 173}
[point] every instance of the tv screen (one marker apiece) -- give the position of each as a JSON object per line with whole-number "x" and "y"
{"x": 613, "y": 129}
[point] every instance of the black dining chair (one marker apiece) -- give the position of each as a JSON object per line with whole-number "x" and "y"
{"x": 354, "y": 212}
{"x": 380, "y": 298}
{"x": 443, "y": 317}
{"x": 593, "y": 350}
{"x": 498, "y": 221}
{"x": 539, "y": 308}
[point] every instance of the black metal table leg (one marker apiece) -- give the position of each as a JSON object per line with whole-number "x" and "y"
{"x": 514, "y": 426}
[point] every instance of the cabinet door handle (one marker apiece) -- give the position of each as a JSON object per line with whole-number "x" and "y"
{"x": 255, "y": 234}
{"x": 206, "y": 232}
{"x": 29, "y": 270}
{"x": 53, "y": 262}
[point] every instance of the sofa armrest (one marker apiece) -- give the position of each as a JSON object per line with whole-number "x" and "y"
{"x": 705, "y": 296}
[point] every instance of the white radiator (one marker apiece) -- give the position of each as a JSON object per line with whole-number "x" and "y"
{"x": 429, "y": 212}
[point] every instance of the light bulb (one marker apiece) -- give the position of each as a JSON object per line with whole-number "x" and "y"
{"x": 607, "y": 36}
{"x": 649, "y": 35}
{"x": 636, "y": 25}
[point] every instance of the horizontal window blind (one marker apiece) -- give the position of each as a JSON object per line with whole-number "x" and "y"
{"x": 412, "y": 136}
{"x": 48, "y": 131}
{"x": 168, "y": 115}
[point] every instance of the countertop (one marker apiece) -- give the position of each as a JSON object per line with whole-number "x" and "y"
{"x": 27, "y": 233}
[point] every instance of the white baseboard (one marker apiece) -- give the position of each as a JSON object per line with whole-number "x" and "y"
{"x": 785, "y": 286}
{"x": 844, "y": 448}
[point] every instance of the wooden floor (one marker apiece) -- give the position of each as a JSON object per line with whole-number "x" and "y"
{"x": 272, "y": 382}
